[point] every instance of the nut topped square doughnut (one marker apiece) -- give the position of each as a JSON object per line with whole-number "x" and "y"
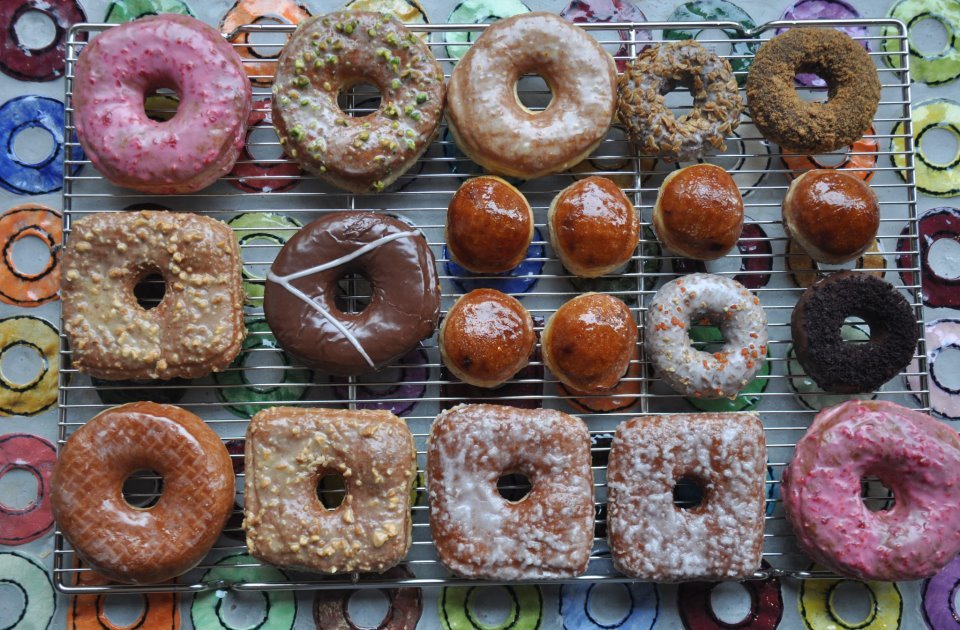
{"x": 548, "y": 533}
{"x": 289, "y": 450}
{"x": 654, "y": 538}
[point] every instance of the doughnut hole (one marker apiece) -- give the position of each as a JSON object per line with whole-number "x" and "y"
{"x": 32, "y": 144}
{"x": 689, "y": 492}
{"x": 945, "y": 370}
{"x": 939, "y": 146}
{"x": 19, "y": 488}
{"x": 514, "y": 486}
{"x": 266, "y": 44}
{"x": 35, "y": 29}
{"x": 929, "y": 36}
{"x": 243, "y": 609}
{"x": 124, "y": 611}
{"x": 609, "y": 605}
{"x": 490, "y": 607}
{"x": 876, "y": 496}
{"x": 730, "y": 602}
{"x": 359, "y": 100}
{"x": 161, "y": 104}
{"x": 851, "y": 601}
{"x": 716, "y": 40}
{"x": 142, "y": 489}
{"x": 353, "y": 293}
{"x": 368, "y": 608}
{"x": 813, "y": 93}
{"x": 30, "y": 255}
{"x": 22, "y": 364}
{"x": 331, "y": 489}
{"x": 13, "y": 603}
{"x": 533, "y": 92}
{"x": 150, "y": 289}
{"x": 859, "y": 324}
{"x": 943, "y": 257}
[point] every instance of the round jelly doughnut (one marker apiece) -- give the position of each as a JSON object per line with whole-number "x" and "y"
{"x": 36, "y": 64}
{"x": 695, "y": 605}
{"x": 934, "y": 68}
{"x": 405, "y": 606}
{"x": 32, "y": 579}
{"x": 805, "y": 271}
{"x": 933, "y": 178}
{"x": 252, "y": 175}
{"x": 40, "y": 393}
{"x": 260, "y": 229}
{"x": 161, "y": 611}
{"x": 860, "y": 159}
{"x": 621, "y": 396}
{"x": 818, "y": 606}
{"x": 279, "y": 607}
{"x": 825, "y": 10}
{"x": 166, "y": 392}
{"x": 806, "y": 389}
{"x": 36, "y": 178}
{"x": 244, "y": 398}
{"x": 940, "y": 598}
{"x": 756, "y": 258}
{"x": 520, "y": 279}
{"x": 259, "y": 66}
{"x": 582, "y": 609}
{"x": 710, "y": 338}
{"x": 20, "y": 288}
{"x": 477, "y": 12}
{"x": 19, "y": 451}
{"x": 592, "y": 11}
{"x": 741, "y": 52}
{"x": 456, "y": 607}
{"x": 122, "y": 11}
{"x": 940, "y": 335}
{"x": 934, "y": 224}
{"x": 400, "y": 397}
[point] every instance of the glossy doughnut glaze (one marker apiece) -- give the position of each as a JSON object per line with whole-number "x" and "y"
{"x": 137, "y": 545}
{"x": 122, "y": 65}
{"x": 915, "y": 456}
{"x": 496, "y": 131}
{"x": 833, "y": 216}
{"x": 489, "y": 225}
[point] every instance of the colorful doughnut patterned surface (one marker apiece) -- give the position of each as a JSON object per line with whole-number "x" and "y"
{"x": 610, "y": 11}
{"x": 20, "y": 288}
{"x": 36, "y": 178}
{"x": 940, "y": 598}
{"x": 40, "y": 393}
{"x": 859, "y": 160}
{"x": 937, "y": 179}
{"x": 252, "y": 175}
{"x": 935, "y": 68}
{"x": 477, "y": 12}
{"x": 766, "y": 605}
{"x": 280, "y": 607}
{"x": 581, "y": 610}
{"x": 755, "y": 263}
{"x": 36, "y": 64}
{"x": 457, "y": 609}
{"x": 121, "y": 11}
{"x": 161, "y": 611}
{"x": 520, "y": 279}
{"x": 25, "y": 574}
{"x": 940, "y": 335}
{"x": 401, "y": 396}
{"x": 818, "y": 606}
{"x": 717, "y": 10}
{"x": 20, "y": 451}
{"x": 934, "y": 224}
{"x": 259, "y": 66}
{"x": 261, "y": 230}
{"x": 405, "y": 608}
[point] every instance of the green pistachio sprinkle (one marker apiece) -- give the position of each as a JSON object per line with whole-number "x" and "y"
{"x": 364, "y": 135}
{"x": 284, "y": 101}
{"x": 342, "y": 122}
{"x": 283, "y": 140}
{"x": 327, "y": 86}
{"x": 323, "y": 169}
{"x": 377, "y": 186}
{"x": 394, "y": 125}
{"x": 372, "y": 32}
{"x": 408, "y": 109}
{"x": 297, "y": 132}
{"x": 321, "y": 46}
{"x": 380, "y": 158}
{"x": 301, "y": 81}
{"x": 393, "y": 145}
{"x": 415, "y": 115}
{"x": 349, "y": 27}
{"x": 338, "y": 26}
{"x": 383, "y": 52}
{"x": 318, "y": 63}
{"x": 391, "y": 39}
{"x": 304, "y": 102}
{"x": 409, "y": 133}
{"x": 367, "y": 125}
{"x": 395, "y": 84}
{"x": 294, "y": 94}
{"x": 411, "y": 144}
{"x": 298, "y": 67}
{"x": 338, "y": 45}
{"x": 384, "y": 142}
{"x": 422, "y": 98}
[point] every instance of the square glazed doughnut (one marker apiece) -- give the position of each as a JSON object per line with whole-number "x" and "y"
{"x": 289, "y": 450}
{"x": 197, "y": 327}
{"x": 651, "y": 537}
{"x": 479, "y": 533}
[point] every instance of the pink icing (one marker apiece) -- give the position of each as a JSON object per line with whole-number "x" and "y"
{"x": 191, "y": 150}
{"x": 914, "y": 455}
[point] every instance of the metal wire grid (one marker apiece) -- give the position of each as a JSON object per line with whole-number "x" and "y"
{"x": 421, "y": 196}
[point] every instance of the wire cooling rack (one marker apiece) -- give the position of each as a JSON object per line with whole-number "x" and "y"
{"x": 421, "y": 196}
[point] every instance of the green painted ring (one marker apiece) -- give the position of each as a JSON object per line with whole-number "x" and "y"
{"x": 456, "y": 609}
{"x": 716, "y": 10}
{"x": 936, "y": 180}
{"x": 747, "y": 399}
{"x": 254, "y": 227}
{"x": 280, "y": 607}
{"x": 33, "y": 581}
{"x": 932, "y": 69}
{"x": 477, "y": 12}
{"x": 121, "y": 11}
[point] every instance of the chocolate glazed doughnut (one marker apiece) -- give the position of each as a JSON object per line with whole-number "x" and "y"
{"x": 299, "y": 301}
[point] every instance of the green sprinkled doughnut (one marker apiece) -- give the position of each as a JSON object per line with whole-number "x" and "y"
{"x": 261, "y": 228}
{"x": 717, "y": 10}
{"x": 29, "y": 576}
{"x": 280, "y": 607}
{"x": 477, "y": 12}
{"x": 710, "y": 338}
{"x": 236, "y": 391}
{"x": 931, "y": 68}
{"x": 936, "y": 180}
{"x": 458, "y": 610}
{"x": 121, "y": 11}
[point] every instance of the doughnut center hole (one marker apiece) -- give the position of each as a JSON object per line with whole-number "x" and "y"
{"x": 939, "y": 146}
{"x": 832, "y": 159}
{"x": 161, "y": 104}
{"x": 677, "y": 96}
{"x": 19, "y": 488}
{"x": 731, "y": 602}
{"x": 263, "y": 369}
{"x": 876, "y": 496}
{"x": 716, "y": 40}
{"x": 368, "y": 607}
{"x": 33, "y": 144}
{"x": 266, "y": 44}
{"x": 353, "y": 293}
{"x": 242, "y": 609}
{"x": 945, "y": 370}
{"x": 929, "y": 36}
{"x": 263, "y": 143}
{"x": 124, "y": 611}
{"x": 860, "y": 325}
{"x": 331, "y": 489}
{"x": 30, "y": 255}
{"x": 258, "y": 253}
{"x": 360, "y": 99}
{"x": 142, "y": 489}
{"x": 514, "y": 487}
{"x": 149, "y": 290}
{"x": 13, "y": 604}
{"x": 817, "y": 88}
{"x": 943, "y": 257}
{"x": 490, "y": 607}
{"x": 533, "y": 93}
{"x": 615, "y": 602}
{"x": 688, "y": 492}
{"x": 851, "y": 601}
{"x": 22, "y": 364}
{"x": 35, "y": 29}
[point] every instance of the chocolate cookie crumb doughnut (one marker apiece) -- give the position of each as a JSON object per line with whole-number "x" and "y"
{"x": 782, "y": 116}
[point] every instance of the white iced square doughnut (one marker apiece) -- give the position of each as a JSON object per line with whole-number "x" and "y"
{"x": 653, "y": 538}
{"x": 289, "y": 450}
{"x": 480, "y": 534}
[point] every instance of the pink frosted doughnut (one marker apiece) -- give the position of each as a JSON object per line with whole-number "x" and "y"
{"x": 200, "y": 143}
{"x": 915, "y": 456}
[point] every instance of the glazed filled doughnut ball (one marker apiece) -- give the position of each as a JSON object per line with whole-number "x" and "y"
{"x": 489, "y": 225}
{"x": 833, "y": 216}
{"x": 699, "y": 212}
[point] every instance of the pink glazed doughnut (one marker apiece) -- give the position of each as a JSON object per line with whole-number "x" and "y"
{"x": 124, "y": 64}
{"x": 914, "y": 455}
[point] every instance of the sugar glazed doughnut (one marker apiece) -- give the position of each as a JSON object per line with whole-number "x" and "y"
{"x": 651, "y": 537}
{"x": 721, "y": 302}
{"x": 121, "y": 66}
{"x": 807, "y": 126}
{"x": 198, "y": 326}
{"x": 650, "y": 123}
{"x": 289, "y": 450}
{"x": 329, "y": 54}
{"x": 496, "y": 131}
{"x": 915, "y": 456}
{"x": 480, "y": 534}
{"x": 143, "y": 545}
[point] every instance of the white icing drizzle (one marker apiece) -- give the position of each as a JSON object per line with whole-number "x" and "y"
{"x": 284, "y": 281}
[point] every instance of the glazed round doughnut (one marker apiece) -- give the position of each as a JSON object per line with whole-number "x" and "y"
{"x": 579, "y": 603}
{"x": 588, "y": 342}
{"x": 915, "y": 456}
{"x": 517, "y": 141}
{"x": 939, "y": 597}
{"x": 699, "y": 212}
{"x": 934, "y": 178}
{"x": 123, "y": 11}
{"x": 593, "y": 227}
{"x": 46, "y": 176}
{"x": 329, "y": 54}
{"x": 247, "y": 12}
{"x": 520, "y": 279}
{"x": 252, "y": 175}
{"x": 844, "y": 368}
{"x": 131, "y": 544}
{"x": 756, "y": 258}
{"x": 651, "y": 124}
{"x": 27, "y": 399}
{"x": 32, "y": 579}
{"x": 37, "y": 64}
{"x": 486, "y": 338}
{"x": 489, "y": 225}
{"x": 279, "y": 607}
{"x": 186, "y": 153}
{"x": 458, "y": 608}
{"x": 330, "y": 610}
{"x": 400, "y": 396}
{"x": 479, "y": 533}
{"x": 30, "y": 289}
{"x": 934, "y": 224}
{"x": 197, "y": 327}
{"x": 719, "y": 301}
{"x": 300, "y": 298}
{"x": 20, "y": 451}
{"x": 805, "y": 271}
{"x": 832, "y": 216}
{"x": 860, "y": 159}
{"x": 807, "y": 126}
